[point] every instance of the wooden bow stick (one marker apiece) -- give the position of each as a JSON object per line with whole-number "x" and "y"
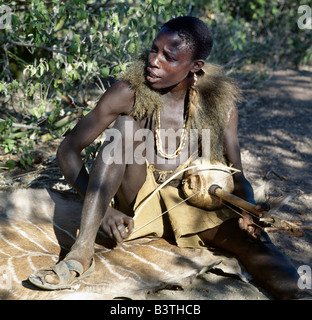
{"x": 269, "y": 218}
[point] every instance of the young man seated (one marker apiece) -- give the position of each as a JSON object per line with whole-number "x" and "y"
{"x": 170, "y": 88}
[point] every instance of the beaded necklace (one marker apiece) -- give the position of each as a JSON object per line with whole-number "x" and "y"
{"x": 158, "y": 137}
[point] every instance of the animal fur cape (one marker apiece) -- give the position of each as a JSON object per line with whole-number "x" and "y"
{"x": 216, "y": 95}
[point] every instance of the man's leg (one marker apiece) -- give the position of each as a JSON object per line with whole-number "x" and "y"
{"x": 106, "y": 178}
{"x": 269, "y": 267}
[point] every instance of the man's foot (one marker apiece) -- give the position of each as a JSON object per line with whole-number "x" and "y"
{"x": 61, "y": 276}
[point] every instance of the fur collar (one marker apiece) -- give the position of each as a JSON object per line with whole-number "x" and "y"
{"x": 216, "y": 95}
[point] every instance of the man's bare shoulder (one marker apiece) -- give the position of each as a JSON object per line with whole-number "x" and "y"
{"x": 122, "y": 87}
{"x": 119, "y": 98}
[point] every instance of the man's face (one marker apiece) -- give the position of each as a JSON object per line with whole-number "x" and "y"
{"x": 169, "y": 61}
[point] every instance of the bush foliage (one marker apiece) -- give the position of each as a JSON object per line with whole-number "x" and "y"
{"x": 58, "y": 56}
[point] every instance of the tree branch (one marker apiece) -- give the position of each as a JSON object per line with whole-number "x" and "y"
{"x": 29, "y": 45}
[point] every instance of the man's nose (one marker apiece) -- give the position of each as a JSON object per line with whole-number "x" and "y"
{"x": 154, "y": 60}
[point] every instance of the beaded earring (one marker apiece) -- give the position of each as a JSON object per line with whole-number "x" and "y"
{"x": 195, "y": 79}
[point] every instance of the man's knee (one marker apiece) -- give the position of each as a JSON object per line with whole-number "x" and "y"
{"x": 228, "y": 236}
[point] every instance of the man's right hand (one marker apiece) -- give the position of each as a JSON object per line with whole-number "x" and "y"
{"x": 247, "y": 221}
{"x": 117, "y": 225}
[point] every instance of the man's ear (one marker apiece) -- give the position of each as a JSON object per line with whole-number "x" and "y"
{"x": 197, "y": 65}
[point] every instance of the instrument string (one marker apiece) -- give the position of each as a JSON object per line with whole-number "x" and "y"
{"x": 184, "y": 200}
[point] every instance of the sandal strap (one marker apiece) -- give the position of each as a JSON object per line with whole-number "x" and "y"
{"x": 74, "y": 265}
{"x": 62, "y": 271}
{"x": 63, "y": 268}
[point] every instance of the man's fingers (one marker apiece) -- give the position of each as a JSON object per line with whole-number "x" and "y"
{"x": 107, "y": 230}
{"x": 130, "y": 225}
{"x": 241, "y": 223}
{"x": 252, "y": 231}
{"x": 122, "y": 230}
{"x": 263, "y": 206}
{"x": 116, "y": 233}
{"x": 245, "y": 222}
{"x": 247, "y": 225}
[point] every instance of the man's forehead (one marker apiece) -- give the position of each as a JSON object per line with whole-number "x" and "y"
{"x": 170, "y": 40}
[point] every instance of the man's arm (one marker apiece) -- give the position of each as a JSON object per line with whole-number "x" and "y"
{"x": 243, "y": 188}
{"x": 117, "y": 100}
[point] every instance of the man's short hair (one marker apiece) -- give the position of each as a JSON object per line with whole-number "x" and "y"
{"x": 196, "y": 34}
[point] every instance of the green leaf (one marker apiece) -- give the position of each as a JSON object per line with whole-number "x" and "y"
{"x": 116, "y": 69}
{"x": 22, "y": 162}
{"x": 104, "y": 72}
{"x": 82, "y": 14}
{"x": 52, "y": 117}
{"x": 10, "y": 164}
{"x": 89, "y": 65}
{"x": 2, "y": 87}
{"x": 70, "y": 58}
{"x": 73, "y": 48}
{"x": 28, "y": 159}
{"x": 60, "y": 24}
{"x": 77, "y": 38}
{"x": 131, "y": 48}
{"x": 76, "y": 75}
{"x": 9, "y": 144}
{"x": 15, "y": 20}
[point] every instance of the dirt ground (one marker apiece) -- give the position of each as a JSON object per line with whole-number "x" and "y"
{"x": 276, "y": 140}
{"x": 275, "y": 132}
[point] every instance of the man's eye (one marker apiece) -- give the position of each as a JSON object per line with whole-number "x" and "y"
{"x": 169, "y": 58}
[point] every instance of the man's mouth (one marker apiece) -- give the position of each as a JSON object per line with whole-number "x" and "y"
{"x": 151, "y": 74}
